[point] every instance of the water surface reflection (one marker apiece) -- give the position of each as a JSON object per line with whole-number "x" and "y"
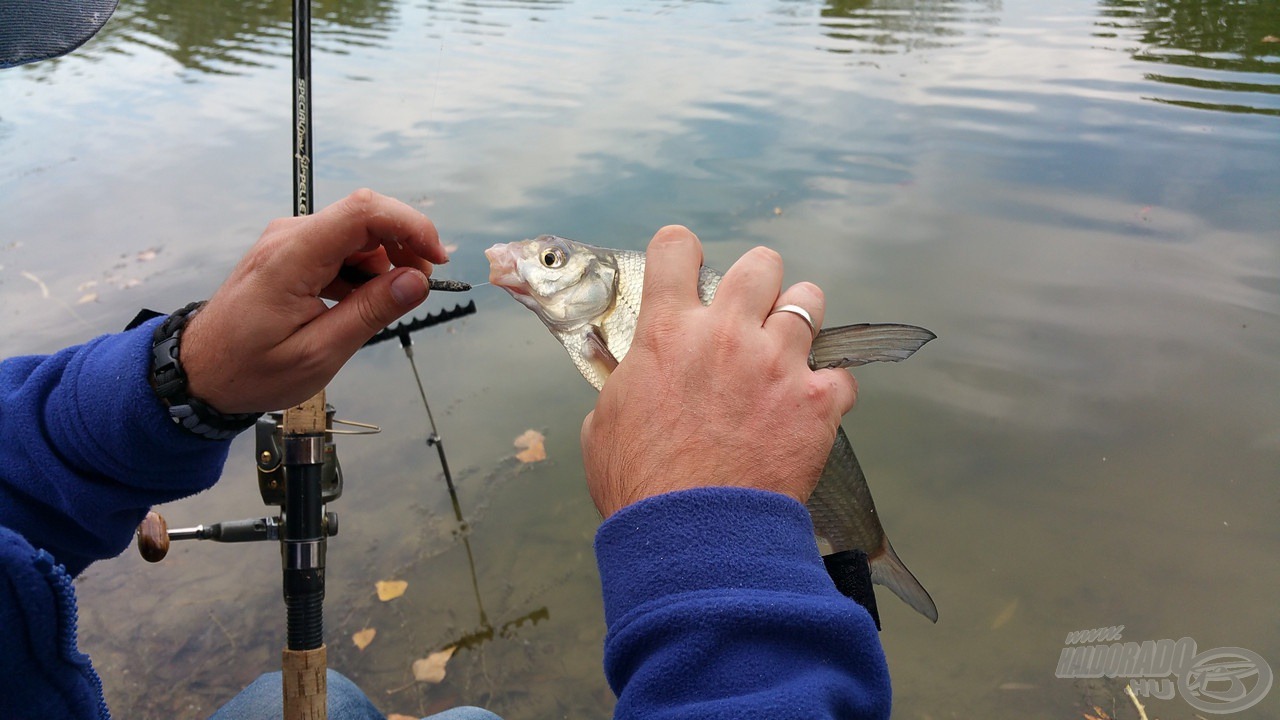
{"x": 1229, "y": 49}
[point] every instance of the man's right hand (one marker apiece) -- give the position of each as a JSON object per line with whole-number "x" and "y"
{"x": 718, "y": 395}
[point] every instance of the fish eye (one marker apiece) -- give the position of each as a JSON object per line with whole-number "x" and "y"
{"x": 552, "y": 257}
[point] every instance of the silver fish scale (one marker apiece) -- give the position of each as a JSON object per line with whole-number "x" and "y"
{"x": 619, "y": 325}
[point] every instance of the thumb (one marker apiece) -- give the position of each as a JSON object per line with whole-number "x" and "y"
{"x": 375, "y": 305}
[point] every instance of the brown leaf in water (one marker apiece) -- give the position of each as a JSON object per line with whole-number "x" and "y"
{"x": 1101, "y": 714}
{"x": 364, "y": 637}
{"x": 1005, "y": 615}
{"x": 531, "y": 443}
{"x": 430, "y": 669}
{"x": 391, "y": 589}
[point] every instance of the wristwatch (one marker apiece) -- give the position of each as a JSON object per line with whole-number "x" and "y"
{"x": 170, "y": 383}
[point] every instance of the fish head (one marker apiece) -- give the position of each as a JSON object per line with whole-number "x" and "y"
{"x": 565, "y": 283}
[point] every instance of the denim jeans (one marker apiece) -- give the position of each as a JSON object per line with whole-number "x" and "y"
{"x": 262, "y": 700}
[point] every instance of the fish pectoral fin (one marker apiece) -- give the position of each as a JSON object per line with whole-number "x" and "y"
{"x": 598, "y": 353}
{"x": 853, "y": 345}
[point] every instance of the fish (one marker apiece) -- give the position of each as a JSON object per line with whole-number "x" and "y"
{"x": 589, "y": 298}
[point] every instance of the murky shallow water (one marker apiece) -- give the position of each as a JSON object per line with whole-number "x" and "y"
{"x": 1079, "y": 198}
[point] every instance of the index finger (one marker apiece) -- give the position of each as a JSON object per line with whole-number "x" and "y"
{"x": 671, "y": 270}
{"x": 359, "y": 223}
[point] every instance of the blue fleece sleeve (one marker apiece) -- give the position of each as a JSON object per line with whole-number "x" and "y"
{"x": 718, "y": 606}
{"x": 86, "y": 448}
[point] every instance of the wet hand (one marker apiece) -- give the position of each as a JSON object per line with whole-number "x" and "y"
{"x": 718, "y": 395}
{"x": 266, "y": 340}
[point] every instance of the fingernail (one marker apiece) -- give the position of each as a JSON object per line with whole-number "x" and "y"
{"x": 409, "y": 288}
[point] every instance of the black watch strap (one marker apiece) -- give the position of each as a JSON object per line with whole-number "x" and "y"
{"x": 170, "y": 384}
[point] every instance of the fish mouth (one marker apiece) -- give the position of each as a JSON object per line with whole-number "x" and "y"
{"x": 503, "y": 270}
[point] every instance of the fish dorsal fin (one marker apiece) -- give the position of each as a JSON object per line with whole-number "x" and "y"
{"x": 854, "y": 345}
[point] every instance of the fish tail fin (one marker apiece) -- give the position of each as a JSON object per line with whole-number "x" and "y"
{"x": 887, "y": 570}
{"x": 854, "y": 345}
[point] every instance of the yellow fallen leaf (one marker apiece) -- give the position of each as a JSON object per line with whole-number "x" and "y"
{"x": 532, "y": 443}
{"x": 1005, "y": 615}
{"x": 391, "y": 589}
{"x": 364, "y": 637}
{"x": 431, "y": 668}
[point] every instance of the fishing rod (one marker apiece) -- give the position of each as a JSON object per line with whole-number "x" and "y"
{"x": 298, "y": 468}
{"x": 304, "y": 430}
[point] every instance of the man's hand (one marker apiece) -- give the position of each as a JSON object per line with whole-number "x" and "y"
{"x": 714, "y": 396}
{"x": 267, "y": 341}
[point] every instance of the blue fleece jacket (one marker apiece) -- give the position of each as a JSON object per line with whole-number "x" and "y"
{"x": 718, "y": 606}
{"x": 717, "y": 603}
{"x": 85, "y": 449}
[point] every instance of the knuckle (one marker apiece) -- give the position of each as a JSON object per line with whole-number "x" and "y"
{"x": 279, "y": 225}
{"x": 727, "y": 341}
{"x": 367, "y": 311}
{"x": 812, "y": 291}
{"x": 659, "y": 337}
{"x": 766, "y": 255}
{"x": 359, "y": 202}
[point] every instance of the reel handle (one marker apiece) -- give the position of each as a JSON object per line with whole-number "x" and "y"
{"x": 153, "y": 537}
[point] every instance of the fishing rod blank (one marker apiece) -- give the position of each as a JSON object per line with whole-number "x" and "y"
{"x": 303, "y": 537}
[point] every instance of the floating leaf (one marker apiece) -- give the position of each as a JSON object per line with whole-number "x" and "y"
{"x": 364, "y": 637}
{"x": 87, "y": 298}
{"x": 532, "y": 450}
{"x": 391, "y": 589}
{"x": 44, "y": 289}
{"x": 1101, "y": 714}
{"x": 431, "y": 668}
{"x": 1005, "y": 615}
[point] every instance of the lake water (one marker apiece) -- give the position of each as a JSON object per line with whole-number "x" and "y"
{"x": 1082, "y": 199}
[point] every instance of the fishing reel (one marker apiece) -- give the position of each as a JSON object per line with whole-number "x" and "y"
{"x": 272, "y": 454}
{"x": 154, "y": 535}
{"x": 269, "y": 433}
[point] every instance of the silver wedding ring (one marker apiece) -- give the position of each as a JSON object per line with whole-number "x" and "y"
{"x": 801, "y": 313}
